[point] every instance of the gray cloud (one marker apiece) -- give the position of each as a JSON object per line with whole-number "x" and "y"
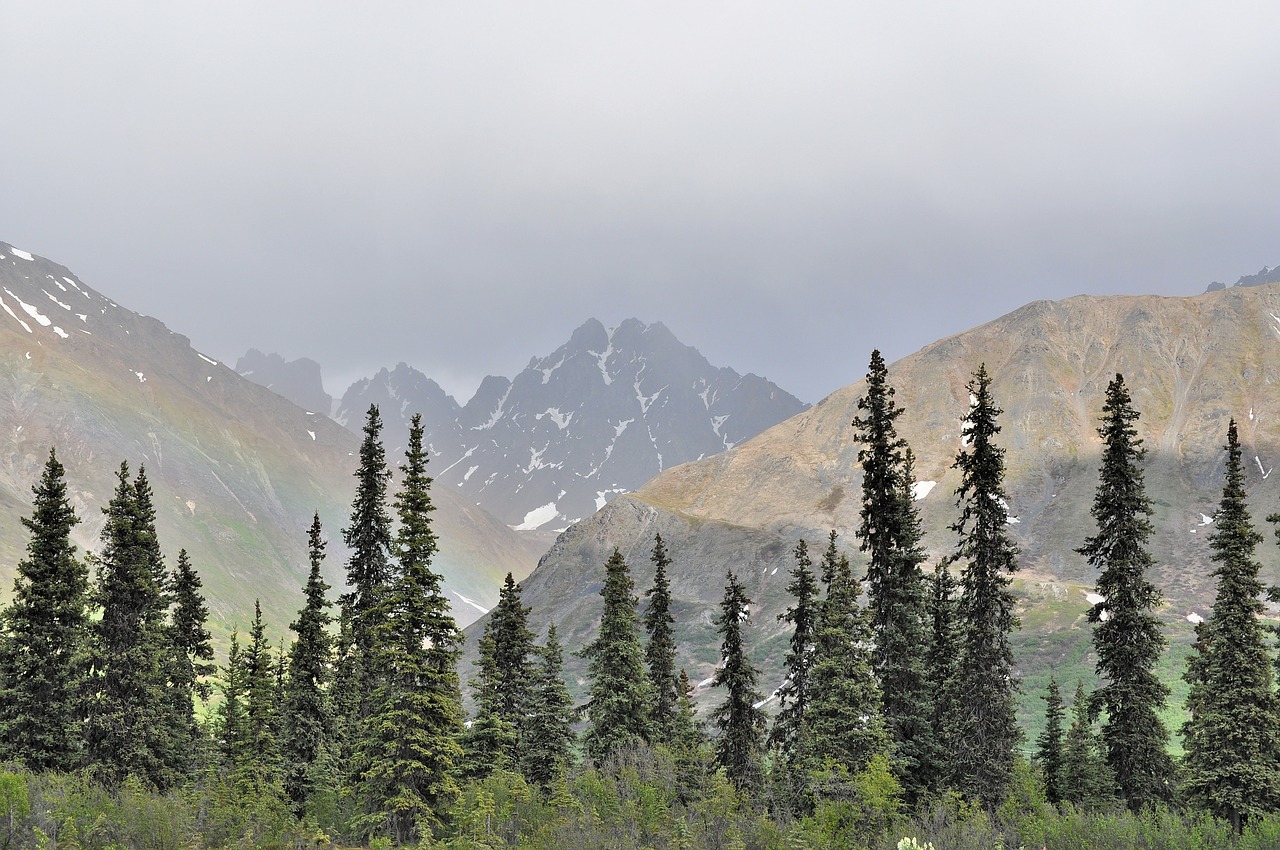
{"x": 785, "y": 187}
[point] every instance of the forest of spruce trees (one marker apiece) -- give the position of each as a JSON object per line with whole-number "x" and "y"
{"x": 894, "y": 727}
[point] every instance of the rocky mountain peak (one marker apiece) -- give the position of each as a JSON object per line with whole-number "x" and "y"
{"x": 298, "y": 380}
{"x": 598, "y": 416}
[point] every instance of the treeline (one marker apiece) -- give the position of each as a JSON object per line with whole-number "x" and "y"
{"x": 895, "y": 723}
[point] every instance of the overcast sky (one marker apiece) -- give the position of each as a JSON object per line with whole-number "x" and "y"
{"x": 785, "y": 186}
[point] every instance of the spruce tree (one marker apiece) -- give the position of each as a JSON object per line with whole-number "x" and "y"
{"x": 742, "y": 725}
{"x": 548, "y": 734}
{"x": 688, "y": 745}
{"x": 42, "y": 637}
{"x": 368, "y": 538}
{"x": 231, "y": 729}
{"x": 1087, "y": 781}
{"x": 261, "y": 765}
{"x": 941, "y": 664}
{"x": 660, "y": 652}
{"x": 1049, "y": 744}
{"x": 502, "y": 683}
{"x": 890, "y": 534}
{"x": 408, "y": 763}
{"x": 308, "y": 727}
{"x": 191, "y": 658}
{"x": 620, "y": 693}
{"x": 1126, "y": 632}
{"x": 1233, "y": 737}
{"x": 987, "y": 729}
{"x": 846, "y": 726}
{"x": 129, "y": 728}
{"x": 791, "y": 724}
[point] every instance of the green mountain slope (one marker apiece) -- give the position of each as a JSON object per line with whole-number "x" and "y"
{"x": 1191, "y": 363}
{"x": 237, "y": 470}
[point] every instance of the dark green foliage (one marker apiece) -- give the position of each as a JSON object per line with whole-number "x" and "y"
{"x": 620, "y": 693}
{"x": 1049, "y": 744}
{"x": 1233, "y": 736}
{"x": 191, "y": 658}
{"x": 128, "y": 728}
{"x": 1087, "y": 780}
{"x": 501, "y": 686}
{"x": 941, "y": 665}
{"x": 987, "y": 730}
{"x": 845, "y": 725}
{"x": 42, "y": 636}
{"x": 890, "y": 534}
{"x": 660, "y": 652}
{"x": 548, "y": 734}
{"x": 1126, "y": 632}
{"x": 741, "y": 725}
{"x": 368, "y": 537}
{"x": 688, "y": 741}
{"x": 344, "y": 691}
{"x": 230, "y": 728}
{"x": 260, "y": 765}
{"x": 408, "y": 759}
{"x": 790, "y": 733}
{"x": 307, "y": 711}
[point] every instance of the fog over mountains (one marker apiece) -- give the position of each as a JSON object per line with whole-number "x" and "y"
{"x": 598, "y": 416}
{"x": 237, "y": 470}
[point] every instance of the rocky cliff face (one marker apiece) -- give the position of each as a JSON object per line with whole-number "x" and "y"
{"x": 1191, "y": 365}
{"x": 597, "y": 417}
{"x": 237, "y": 470}
{"x": 297, "y": 380}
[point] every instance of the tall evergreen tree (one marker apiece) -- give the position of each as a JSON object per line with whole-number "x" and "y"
{"x": 846, "y": 725}
{"x": 501, "y": 686}
{"x": 660, "y": 652}
{"x": 261, "y": 765}
{"x": 548, "y": 734}
{"x": 42, "y": 636}
{"x": 368, "y": 537}
{"x": 890, "y": 533}
{"x": 411, "y": 751}
{"x": 987, "y": 725}
{"x": 308, "y": 713}
{"x": 1126, "y": 632}
{"x": 1049, "y": 744}
{"x": 1233, "y": 737}
{"x": 231, "y": 728}
{"x": 1087, "y": 781}
{"x": 129, "y": 725}
{"x": 620, "y": 694}
{"x": 791, "y": 724}
{"x": 191, "y": 658}
{"x": 941, "y": 666}
{"x": 742, "y": 725}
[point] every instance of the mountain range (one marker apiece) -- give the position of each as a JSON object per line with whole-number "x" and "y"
{"x": 237, "y": 470}
{"x": 598, "y": 416}
{"x": 1191, "y": 364}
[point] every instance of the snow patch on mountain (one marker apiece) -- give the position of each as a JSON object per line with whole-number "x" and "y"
{"x": 920, "y": 489}
{"x": 538, "y": 517}
{"x": 30, "y": 310}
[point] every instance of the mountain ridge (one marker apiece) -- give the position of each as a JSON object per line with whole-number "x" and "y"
{"x": 237, "y": 470}
{"x": 1191, "y": 363}
{"x": 596, "y": 417}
